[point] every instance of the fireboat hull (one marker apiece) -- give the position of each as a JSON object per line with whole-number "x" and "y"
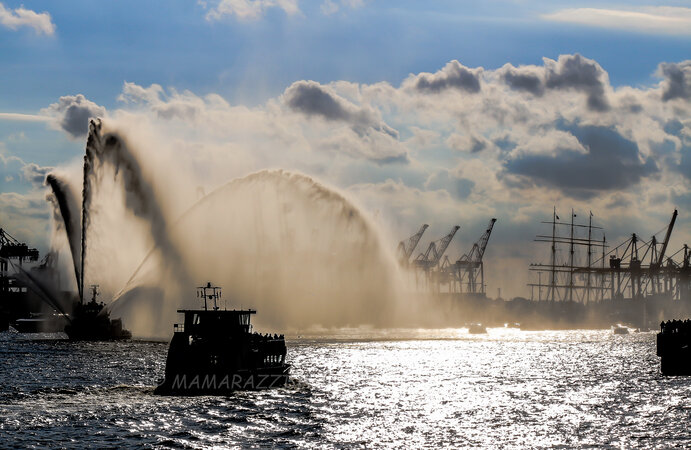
{"x": 201, "y": 382}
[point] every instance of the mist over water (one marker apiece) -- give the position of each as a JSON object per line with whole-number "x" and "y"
{"x": 296, "y": 250}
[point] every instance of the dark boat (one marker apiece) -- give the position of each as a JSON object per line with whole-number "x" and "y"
{"x": 91, "y": 322}
{"x": 215, "y": 352}
{"x": 674, "y": 347}
{"x": 618, "y": 329}
{"x": 40, "y": 323}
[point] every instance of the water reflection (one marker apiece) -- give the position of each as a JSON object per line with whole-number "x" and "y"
{"x": 411, "y": 388}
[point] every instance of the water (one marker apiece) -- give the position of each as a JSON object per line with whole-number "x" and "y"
{"x": 432, "y": 389}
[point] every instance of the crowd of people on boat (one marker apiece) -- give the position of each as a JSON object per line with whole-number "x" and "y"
{"x": 676, "y": 326}
{"x": 269, "y": 336}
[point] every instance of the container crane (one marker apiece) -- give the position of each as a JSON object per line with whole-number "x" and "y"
{"x": 470, "y": 266}
{"x": 435, "y": 250}
{"x": 407, "y": 247}
{"x": 10, "y": 248}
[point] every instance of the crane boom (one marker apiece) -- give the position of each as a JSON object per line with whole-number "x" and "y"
{"x": 478, "y": 250}
{"x": 407, "y": 247}
{"x": 12, "y": 248}
{"x": 435, "y": 250}
{"x": 444, "y": 243}
{"x": 661, "y": 256}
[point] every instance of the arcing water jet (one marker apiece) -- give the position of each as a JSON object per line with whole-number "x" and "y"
{"x": 68, "y": 208}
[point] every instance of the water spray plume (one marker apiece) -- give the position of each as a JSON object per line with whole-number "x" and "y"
{"x": 68, "y": 208}
{"x": 281, "y": 242}
{"x": 111, "y": 150}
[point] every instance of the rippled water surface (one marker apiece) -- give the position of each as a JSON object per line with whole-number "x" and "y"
{"x": 426, "y": 388}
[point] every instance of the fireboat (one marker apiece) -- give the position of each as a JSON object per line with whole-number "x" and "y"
{"x": 91, "y": 322}
{"x": 216, "y": 352}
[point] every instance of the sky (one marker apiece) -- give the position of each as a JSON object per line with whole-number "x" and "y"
{"x": 446, "y": 112}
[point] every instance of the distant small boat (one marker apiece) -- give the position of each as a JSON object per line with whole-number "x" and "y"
{"x": 477, "y": 328}
{"x": 40, "y": 323}
{"x": 618, "y": 329}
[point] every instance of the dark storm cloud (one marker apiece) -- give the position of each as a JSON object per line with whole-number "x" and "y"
{"x": 612, "y": 162}
{"x": 453, "y": 76}
{"x": 523, "y": 79}
{"x": 313, "y": 99}
{"x": 579, "y": 73}
{"x": 73, "y": 113}
{"x": 677, "y": 80}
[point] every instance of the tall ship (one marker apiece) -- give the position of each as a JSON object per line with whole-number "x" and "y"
{"x": 90, "y": 321}
{"x": 215, "y": 352}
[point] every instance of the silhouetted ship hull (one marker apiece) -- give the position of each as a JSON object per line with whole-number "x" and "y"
{"x": 40, "y": 323}
{"x": 215, "y": 352}
{"x": 674, "y": 348}
{"x": 92, "y": 322}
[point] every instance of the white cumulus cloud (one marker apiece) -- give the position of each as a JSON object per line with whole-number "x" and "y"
{"x": 22, "y": 17}
{"x": 250, "y": 9}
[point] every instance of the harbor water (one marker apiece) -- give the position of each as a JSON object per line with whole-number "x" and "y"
{"x": 400, "y": 388}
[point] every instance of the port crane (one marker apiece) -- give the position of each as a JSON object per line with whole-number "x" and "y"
{"x": 469, "y": 267}
{"x": 430, "y": 259}
{"x": 407, "y": 247}
{"x": 11, "y": 248}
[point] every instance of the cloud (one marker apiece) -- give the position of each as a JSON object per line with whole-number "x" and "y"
{"x": 472, "y": 143}
{"x": 250, "y": 9}
{"x": 21, "y": 17}
{"x": 313, "y": 99}
{"x": 35, "y": 174}
{"x": 525, "y": 78}
{"x": 24, "y": 117}
{"x": 72, "y": 114}
{"x": 183, "y": 106}
{"x": 568, "y": 72}
{"x": 453, "y": 76}
{"x": 677, "y": 80}
{"x": 14, "y": 171}
{"x": 380, "y": 148}
{"x": 655, "y": 20}
{"x": 26, "y": 216}
{"x": 331, "y": 7}
{"x": 459, "y": 187}
{"x": 610, "y": 163}
{"x": 579, "y": 73}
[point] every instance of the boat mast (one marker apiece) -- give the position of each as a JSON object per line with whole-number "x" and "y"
{"x": 554, "y": 253}
{"x": 208, "y": 293}
{"x": 571, "y": 259}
